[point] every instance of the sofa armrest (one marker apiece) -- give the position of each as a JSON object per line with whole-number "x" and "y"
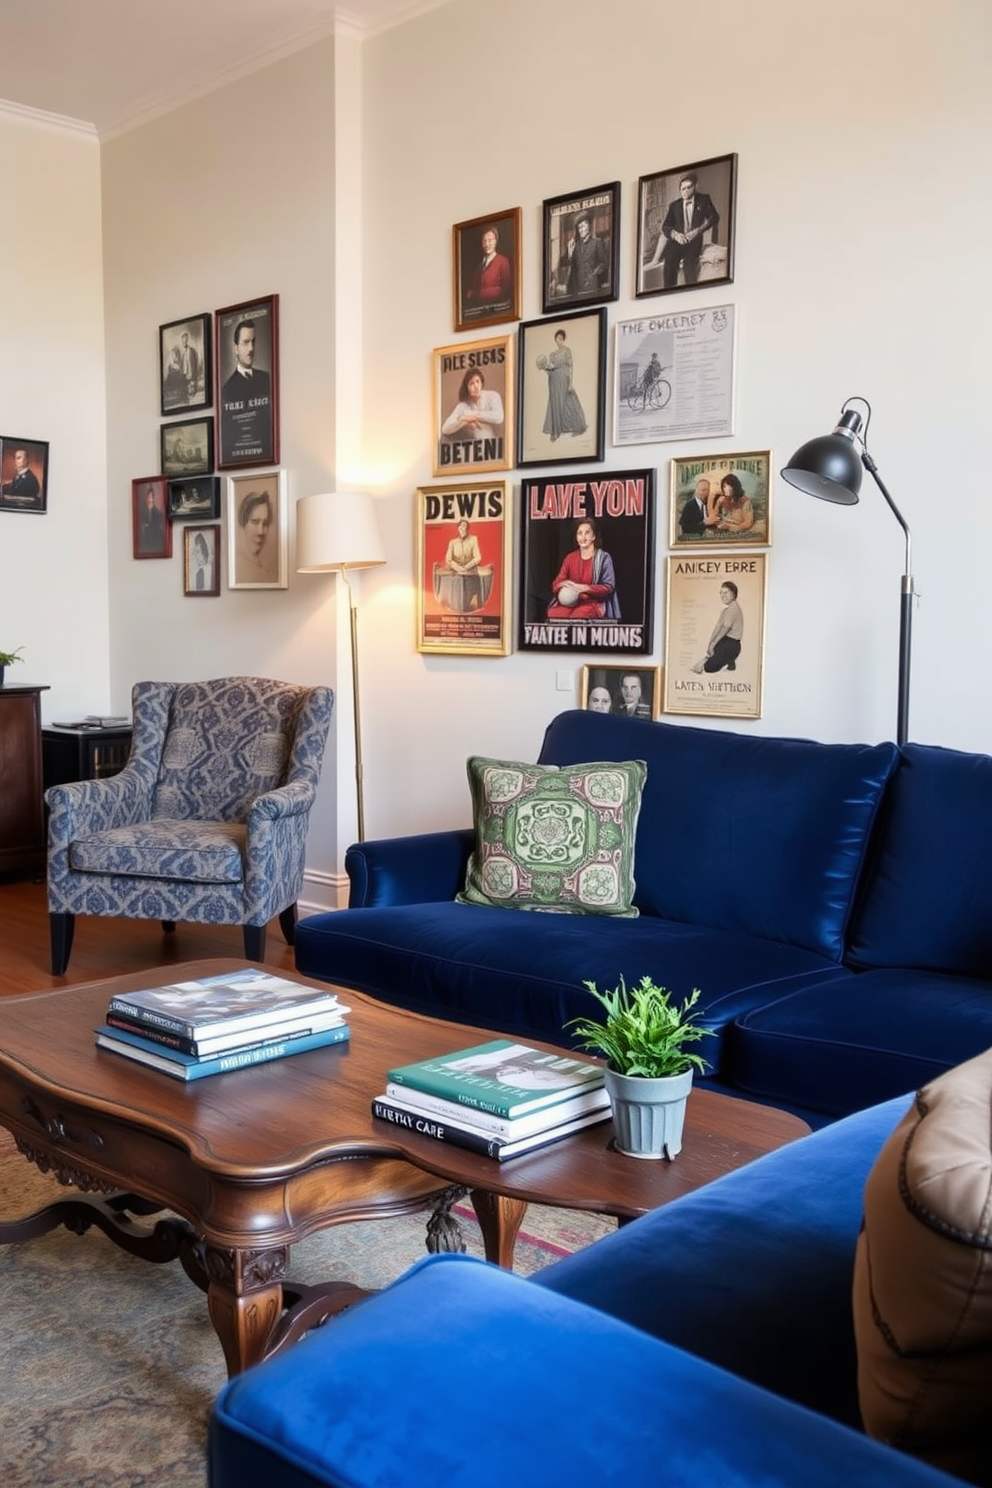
{"x": 424, "y": 869}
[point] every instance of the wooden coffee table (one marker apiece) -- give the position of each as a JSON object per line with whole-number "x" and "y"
{"x": 255, "y": 1160}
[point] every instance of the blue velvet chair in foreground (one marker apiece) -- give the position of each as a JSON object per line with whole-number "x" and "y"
{"x": 208, "y": 820}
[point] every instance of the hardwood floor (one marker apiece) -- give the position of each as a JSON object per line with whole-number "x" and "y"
{"x": 104, "y": 948}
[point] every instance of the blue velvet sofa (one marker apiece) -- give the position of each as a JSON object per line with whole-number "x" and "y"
{"x": 710, "y": 1342}
{"x": 831, "y": 901}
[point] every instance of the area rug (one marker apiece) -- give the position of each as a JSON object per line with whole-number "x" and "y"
{"x": 110, "y": 1363}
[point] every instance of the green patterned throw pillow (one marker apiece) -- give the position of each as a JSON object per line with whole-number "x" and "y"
{"x": 559, "y": 839}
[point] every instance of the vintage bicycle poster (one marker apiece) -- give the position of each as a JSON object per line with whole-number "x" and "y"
{"x": 721, "y": 500}
{"x": 587, "y": 562}
{"x": 674, "y": 376}
{"x": 715, "y": 634}
{"x": 464, "y": 552}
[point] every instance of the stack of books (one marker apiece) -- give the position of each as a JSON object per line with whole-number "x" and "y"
{"x": 221, "y": 1023}
{"x": 501, "y": 1099}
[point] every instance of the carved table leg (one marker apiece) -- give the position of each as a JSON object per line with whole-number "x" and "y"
{"x": 499, "y": 1220}
{"x": 444, "y": 1233}
{"x": 245, "y": 1300}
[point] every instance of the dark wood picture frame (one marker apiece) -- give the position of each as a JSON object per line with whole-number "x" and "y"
{"x": 187, "y": 447}
{"x": 561, "y": 402}
{"x": 664, "y": 262}
{"x": 613, "y": 616}
{"x": 194, "y": 499}
{"x": 246, "y": 339}
{"x": 201, "y": 561}
{"x": 23, "y": 475}
{"x": 581, "y": 267}
{"x": 486, "y": 292}
{"x": 151, "y": 530}
{"x": 185, "y": 364}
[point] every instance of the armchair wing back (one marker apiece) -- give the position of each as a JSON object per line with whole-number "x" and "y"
{"x": 207, "y": 822}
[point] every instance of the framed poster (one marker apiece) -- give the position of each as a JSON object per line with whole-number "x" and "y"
{"x": 685, "y": 226}
{"x": 721, "y": 500}
{"x": 201, "y": 561}
{"x": 673, "y": 376}
{"x": 247, "y": 353}
{"x": 187, "y": 447}
{"x": 587, "y": 562}
{"x": 631, "y": 691}
{"x": 185, "y": 364}
{"x": 562, "y": 389}
{"x": 464, "y": 557}
{"x": 486, "y": 269}
{"x": 151, "y": 530}
{"x": 23, "y": 474}
{"x": 194, "y": 499}
{"x": 257, "y": 524}
{"x": 715, "y": 634}
{"x": 581, "y": 248}
{"x": 473, "y": 407}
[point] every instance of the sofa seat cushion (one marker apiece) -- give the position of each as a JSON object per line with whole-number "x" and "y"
{"x": 522, "y": 974}
{"x": 923, "y": 1279}
{"x": 760, "y": 836}
{"x": 196, "y": 852}
{"x": 928, "y": 902}
{"x": 841, "y": 1044}
{"x": 466, "y": 1376}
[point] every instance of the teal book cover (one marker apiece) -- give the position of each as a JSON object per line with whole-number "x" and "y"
{"x": 501, "y": 1076}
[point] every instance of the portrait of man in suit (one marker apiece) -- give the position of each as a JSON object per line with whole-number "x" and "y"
{"x": 23, "y": 475}
{"x": 246, "y": 374}
{"x": 686, "y": 226}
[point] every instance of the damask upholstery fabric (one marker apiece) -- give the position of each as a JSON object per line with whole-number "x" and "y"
{"x": 208, "y": 821}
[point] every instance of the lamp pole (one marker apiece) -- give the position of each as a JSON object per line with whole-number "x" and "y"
{"x": 905, "y": 606}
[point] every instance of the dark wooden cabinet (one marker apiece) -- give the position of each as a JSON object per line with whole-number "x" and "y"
{"x": 83, "y": 753}
{"x": 22, "y": 815}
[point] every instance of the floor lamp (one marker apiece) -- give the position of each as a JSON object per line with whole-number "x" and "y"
{"x": 830, "y": 468}
{"x": 336, "y": 532}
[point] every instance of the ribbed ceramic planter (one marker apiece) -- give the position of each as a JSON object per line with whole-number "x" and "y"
{"x": 648, "y": 1115}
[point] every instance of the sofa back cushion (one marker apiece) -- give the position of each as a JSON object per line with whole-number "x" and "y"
{"x": 763, "y": 836}
{"x": 928, "y": 901}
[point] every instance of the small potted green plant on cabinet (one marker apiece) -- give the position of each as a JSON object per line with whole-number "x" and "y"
{"x": 7, "y": 658}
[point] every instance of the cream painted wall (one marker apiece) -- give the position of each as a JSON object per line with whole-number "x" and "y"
{"x": 53, "y": 567}
{"x": 860, "y": 128}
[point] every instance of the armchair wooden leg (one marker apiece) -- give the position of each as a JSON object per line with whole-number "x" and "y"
{"x": 169, "y": 926}
{"x": 61, "y": 927}
{"x": 254, "y": 942}
{"x": 287, "y": 924}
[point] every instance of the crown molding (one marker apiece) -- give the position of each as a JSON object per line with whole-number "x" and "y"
{"x": 17, "y": 113}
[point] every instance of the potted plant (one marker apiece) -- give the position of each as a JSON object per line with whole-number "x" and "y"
{"x": 648, "y": 1068}
{"x": 7, "y": 658}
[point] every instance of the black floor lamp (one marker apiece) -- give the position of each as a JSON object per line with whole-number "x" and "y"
{"x": 830, "y": 468}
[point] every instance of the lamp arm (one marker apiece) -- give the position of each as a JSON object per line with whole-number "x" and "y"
{"x": 905, "y": 607}
{"x": 872, "y": 470}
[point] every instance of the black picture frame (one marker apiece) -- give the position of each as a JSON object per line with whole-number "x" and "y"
{"x": 23, "y": 475}
{"x": 201, "y": 562}
{"x": 187, "y": 447}
{"x": 185, "y": 364}
{"x": 561, "y": 402}
{"x": 663, "y": 264}
{"x": 572, "y": 273}
{"x": 491, "y": 295}
{"x": 621, "y": 506}
{"x": 194, "y": 499}
{"x": 247, "y": 409}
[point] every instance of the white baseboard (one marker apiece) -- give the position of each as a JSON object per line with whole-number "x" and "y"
{"x": 323, "y": 891}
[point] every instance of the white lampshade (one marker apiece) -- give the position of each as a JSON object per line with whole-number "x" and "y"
{"x": 336, "y": 530}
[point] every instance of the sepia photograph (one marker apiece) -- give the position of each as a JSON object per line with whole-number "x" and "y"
{"x": 715, "y": 634}
{"x": 195, "y": 499}
{"x": 685, "y": 226}
{"x": 581, "y": 249}
{"x": 562, "y": 389}
{"x": 625, "y": 691}
{"x": 187, "y": 447}
{"x": 151, "y": 530}
{"x": 201, "y": 561}
{"x": 185, "y": 364}
{"x": 257, "y": 525}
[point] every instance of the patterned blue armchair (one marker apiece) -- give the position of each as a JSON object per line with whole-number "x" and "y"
{"x": 208, "y": 820}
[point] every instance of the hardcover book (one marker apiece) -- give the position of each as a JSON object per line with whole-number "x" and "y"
{"x": 501, "y": 1076}
{"x": 254, "y": 1033}
{"x": 186, "y": 1067}
{"x": 511, "y": 1127}
{"x": 221, "y": 1004}
{"x": 426, "y": 1125}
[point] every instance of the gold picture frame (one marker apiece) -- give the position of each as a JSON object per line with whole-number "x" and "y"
{"x": 715, "y": 634}
{"x": 464, "y": 562}
{"x": 710, "y": 516}
{"x": 473, "y": 407}
{"x": 604, "y": 690}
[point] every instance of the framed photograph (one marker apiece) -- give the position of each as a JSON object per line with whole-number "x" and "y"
{"x": 151, "y": 530}
{"x": 587, "y": 562}
{"x": 721, "y": 500}
{"x": 673, "y": 376}
{"x": 201, "y": 561}
{"x": 685, "y": 226}
{"x": 634, "y": 691}
{"x": 581, "y": 249}
{"x": 464, "y": 559}
{"x": 23, "y": 474}
{"x": 486, "y": 256}
{"x": 257, "y": 525}
{"x": 562, "y": 398}
{"x": 185, "y": 364}
{"x": 715, "y": 634}
{"x": 473, "y": 407}
{"x": 247, "y": 353}
{"x": 194, "y": 499}
{"x": 187, "y": 447}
